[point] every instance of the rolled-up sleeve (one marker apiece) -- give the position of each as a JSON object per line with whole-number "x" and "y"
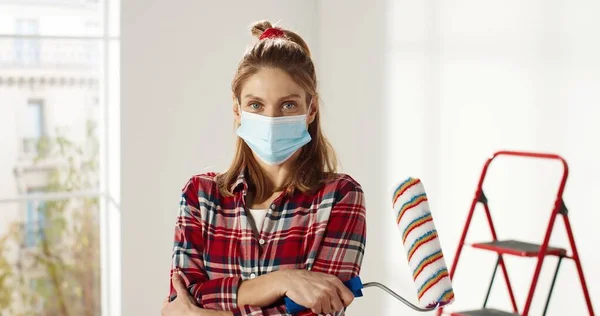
{"x": 343, "y": 246}
{"x": 188, "y": 252}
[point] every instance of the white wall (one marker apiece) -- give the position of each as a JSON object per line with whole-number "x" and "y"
{"x": 409, "y": 88}
{"x": 350, "y": 67}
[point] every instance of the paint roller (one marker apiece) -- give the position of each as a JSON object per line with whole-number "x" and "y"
{"x": 422, "y": 248}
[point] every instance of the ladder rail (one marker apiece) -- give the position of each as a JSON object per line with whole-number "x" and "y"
{"x": 575, "y": 256}
{"x": 555, "y": 212}
{"x": 528, "y": 155}
{"x": 540, "y": 261}
{"x": 511, "y": 293}
{"x": 560, "y": 259}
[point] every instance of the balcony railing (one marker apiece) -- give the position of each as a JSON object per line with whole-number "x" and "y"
{"x": 49, "y": 53}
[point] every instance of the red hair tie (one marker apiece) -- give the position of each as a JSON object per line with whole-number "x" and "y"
{"x": 272, "y": 32}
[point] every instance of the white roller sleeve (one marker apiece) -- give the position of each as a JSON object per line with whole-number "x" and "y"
{"x": 420, "y": 240}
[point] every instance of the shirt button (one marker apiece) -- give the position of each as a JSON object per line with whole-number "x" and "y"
{"x": 272, "y": 206}
{"x": 262, "y": 241}
{"x": 252, "y": 275}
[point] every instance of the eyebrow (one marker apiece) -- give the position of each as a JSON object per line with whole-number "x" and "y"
{"x": 290, "y": 96}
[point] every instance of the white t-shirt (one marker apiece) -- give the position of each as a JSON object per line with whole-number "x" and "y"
{"x": 258, "y": 217}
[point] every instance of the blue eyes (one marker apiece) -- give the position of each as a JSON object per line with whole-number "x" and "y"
{"x": 288, "y": 106}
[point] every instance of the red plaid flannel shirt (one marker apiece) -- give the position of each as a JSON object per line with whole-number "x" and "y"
{"x": 217, "y": 249}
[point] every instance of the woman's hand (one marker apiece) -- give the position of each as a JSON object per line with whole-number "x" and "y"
{"x": 321, "y": 293}
{"x": 185, "y": 304}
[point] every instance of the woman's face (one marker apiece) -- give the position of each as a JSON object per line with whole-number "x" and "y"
{"x": 272, "y": 92}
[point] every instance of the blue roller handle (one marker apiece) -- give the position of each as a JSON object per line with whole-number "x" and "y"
{"x": 354, "y": 285}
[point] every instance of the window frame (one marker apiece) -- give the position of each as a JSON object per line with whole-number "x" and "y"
{"x": 108, "y": 95}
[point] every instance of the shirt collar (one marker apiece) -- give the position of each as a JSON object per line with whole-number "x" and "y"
{"x": 240, "y": 182}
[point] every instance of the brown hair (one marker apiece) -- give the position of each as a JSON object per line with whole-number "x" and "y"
{"x": 317, "y": 161}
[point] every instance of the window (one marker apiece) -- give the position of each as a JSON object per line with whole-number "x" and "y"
{"x": 27, "y": 50}
{"x": 34, "y": 221}
{"x": 59, "y": 161}
{"x": 33, "y": 125}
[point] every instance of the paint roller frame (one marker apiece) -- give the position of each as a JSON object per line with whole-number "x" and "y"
{"x": 400, "y": 298}
{"x": 355, "y": 285}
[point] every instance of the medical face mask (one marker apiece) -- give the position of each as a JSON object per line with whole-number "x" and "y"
{"x": 274, "y": 139}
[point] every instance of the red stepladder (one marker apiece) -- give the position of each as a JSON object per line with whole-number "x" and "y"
{"x": 522, "y": 249}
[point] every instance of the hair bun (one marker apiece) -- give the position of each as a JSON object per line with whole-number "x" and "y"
{"x": 259, "y": 27}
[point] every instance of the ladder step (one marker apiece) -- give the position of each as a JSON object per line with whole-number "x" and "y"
{"x": 484, "y": 312}
{"x": 518, "y": 248}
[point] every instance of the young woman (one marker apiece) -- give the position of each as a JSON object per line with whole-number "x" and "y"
{"x": 280, "y": 222}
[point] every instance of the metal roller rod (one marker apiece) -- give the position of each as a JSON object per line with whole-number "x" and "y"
{"x": 398, "y": 297}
